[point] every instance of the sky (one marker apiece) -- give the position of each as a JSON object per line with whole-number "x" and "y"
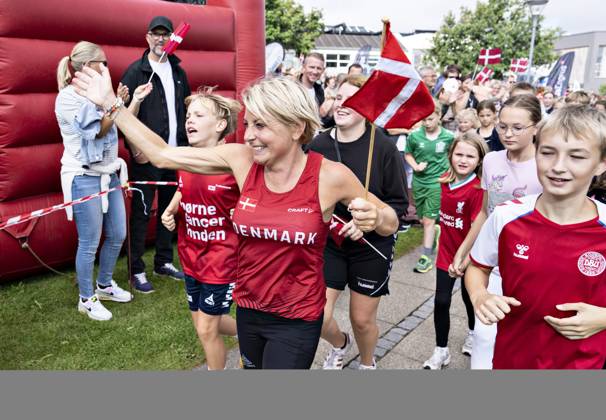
{"x": 573, "y": 16}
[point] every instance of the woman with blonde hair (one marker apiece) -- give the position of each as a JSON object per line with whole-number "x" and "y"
{"x": 90, "y": 164}
{"x": 287, "y": 198}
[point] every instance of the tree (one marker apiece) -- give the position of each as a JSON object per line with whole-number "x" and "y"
{"x": 287, "y": 23}
{"x": 504, "y": 24}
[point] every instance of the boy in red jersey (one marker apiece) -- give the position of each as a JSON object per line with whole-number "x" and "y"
{"x": 208, "y": 246}
{"x": 551, "y": 251}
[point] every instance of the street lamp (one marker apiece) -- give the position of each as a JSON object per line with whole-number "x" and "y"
{"x": 536, "y": 7}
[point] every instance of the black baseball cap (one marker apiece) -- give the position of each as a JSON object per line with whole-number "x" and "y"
{"x": 162, "y": 21}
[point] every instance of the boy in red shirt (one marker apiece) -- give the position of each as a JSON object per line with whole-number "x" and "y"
{"x": 551, "y": 249}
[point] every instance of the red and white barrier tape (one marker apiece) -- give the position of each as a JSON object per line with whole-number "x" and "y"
{"x": 15, "y": 220}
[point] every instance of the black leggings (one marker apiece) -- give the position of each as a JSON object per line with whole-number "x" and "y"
{"x": 441, "y": 316}
{"x": 268, "y": 341}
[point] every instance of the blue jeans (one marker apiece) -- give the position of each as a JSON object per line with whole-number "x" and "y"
{"x": 90, "y": 220}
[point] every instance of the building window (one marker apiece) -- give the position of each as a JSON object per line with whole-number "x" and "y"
{"x": 601, "y": 62}
{"x": 337, "y": 60}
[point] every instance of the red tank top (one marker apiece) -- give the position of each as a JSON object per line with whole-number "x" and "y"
{"x": 282, "y": 239}
{"x": 207, "y": 244}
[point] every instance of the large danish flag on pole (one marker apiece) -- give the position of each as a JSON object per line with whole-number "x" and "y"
{"x": 489, "y": 56}
{"x": 394, "y": 96}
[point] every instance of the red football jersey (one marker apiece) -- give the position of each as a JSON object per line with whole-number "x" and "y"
{"x": 207, "y": 243}
{"x": 544, "y": 264}
{"x": 282, "y": 239}
{"x": 460, "y": 204}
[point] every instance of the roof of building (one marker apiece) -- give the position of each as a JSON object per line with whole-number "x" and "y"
{"x": 353, "y": 37}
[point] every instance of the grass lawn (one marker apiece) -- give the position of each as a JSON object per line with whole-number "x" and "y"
{"x": 41, "y": 329}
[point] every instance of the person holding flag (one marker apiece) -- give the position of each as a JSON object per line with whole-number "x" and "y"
{"x": 287, "y": 198}
{"x": 164, "y": 113}
{"x": 352, "y": 263}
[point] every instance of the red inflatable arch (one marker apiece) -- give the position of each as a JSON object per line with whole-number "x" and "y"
{"x": 225, "y": 47}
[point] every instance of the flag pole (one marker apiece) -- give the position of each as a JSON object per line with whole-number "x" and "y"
{"x": 373, "y": 127}
{"x": 153, "y": 71}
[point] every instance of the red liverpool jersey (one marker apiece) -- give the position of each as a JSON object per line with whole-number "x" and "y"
{"x": 282, "y": 239}
{"x": 207, "y": 244}
{"x": 544, "y": 264}
{"x": 460, "y": 204}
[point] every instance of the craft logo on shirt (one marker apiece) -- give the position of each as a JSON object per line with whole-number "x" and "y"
{"x": 301, "y": 210}
{"x": 247, "y": 204}
{"x": 460, "y": 206}
{"x": 522, "y": 249}
{"x": 591, "y": 263}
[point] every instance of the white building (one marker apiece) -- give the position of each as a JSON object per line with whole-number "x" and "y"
{"x": 344, "y": 45}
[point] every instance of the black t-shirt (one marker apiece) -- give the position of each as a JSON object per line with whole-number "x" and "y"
{"x": 387, "y": 178}
{"x": 493, "y": 141}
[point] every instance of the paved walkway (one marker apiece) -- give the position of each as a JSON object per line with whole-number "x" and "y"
{"x": 405, "y": 320}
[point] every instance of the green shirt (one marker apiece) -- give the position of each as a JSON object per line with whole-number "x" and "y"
{"x": 434, "y": 152}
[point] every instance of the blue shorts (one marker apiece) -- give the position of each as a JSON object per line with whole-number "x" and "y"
{"x": 212, "y": 299}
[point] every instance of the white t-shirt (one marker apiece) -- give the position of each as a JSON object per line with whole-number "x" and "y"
{"x": 165, "y": 72}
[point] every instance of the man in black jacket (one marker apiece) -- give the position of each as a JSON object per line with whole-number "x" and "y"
{"x": 163, "y": 111}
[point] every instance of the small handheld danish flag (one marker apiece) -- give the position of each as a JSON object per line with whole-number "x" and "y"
{"x": 176, "y": 38}
{"x": 489, "y": 56}
{"x": 518, "y": 65}
{"x": 484, "y": 75}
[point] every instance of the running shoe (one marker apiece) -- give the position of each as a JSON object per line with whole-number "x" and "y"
{"x": 94, "y": 309}
{"x": 141, "y": 284}
{"x": 439, "y": 359}
{"x": 423, "y": 265}
{"x": 366, "y": 367}
{"x": 404, "y": 227}
{"x": 113, "y": 292}
{"x": 334, "y": 359}
{"x": 468, "y": 344}
{"x": 169, "y": 270}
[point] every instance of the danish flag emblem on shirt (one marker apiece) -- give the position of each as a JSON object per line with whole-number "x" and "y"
{"x": 489, "y": 56}
{"x": 518, "y": 65}
{"x": 247, "y": 204}
{"x": 394, "y": 96}
{"x": 176, "y": 38}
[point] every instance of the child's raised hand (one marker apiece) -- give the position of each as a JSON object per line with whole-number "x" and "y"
{"x": 588, "y": 321}
{"x": 142, "y": 91}
{"x": 122, "y": 92}
{"x": 490, "y": 308}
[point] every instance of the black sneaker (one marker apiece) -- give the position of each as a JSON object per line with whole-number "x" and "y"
{"x": 403, "y": 227}
{"x": 169, "y": 270}
{"x": 141, "y": 284}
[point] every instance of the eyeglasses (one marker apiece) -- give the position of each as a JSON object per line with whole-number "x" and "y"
{"x": 516, "y": 130}
{"x": 156, "y": 35}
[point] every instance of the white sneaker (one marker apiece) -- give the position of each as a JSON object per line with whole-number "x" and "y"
{"x": 468, "y": 344}
{"x": 334, "y": 359}
{"x": 94, "y": 309}
{"x": 439, "y": 359}
{"x": 113, "y": 292}
{"x": 366, "y": 367}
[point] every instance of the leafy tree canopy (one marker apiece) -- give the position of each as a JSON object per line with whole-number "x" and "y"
{"x": 504, "y": 24}
{"x": 287, "y": 23}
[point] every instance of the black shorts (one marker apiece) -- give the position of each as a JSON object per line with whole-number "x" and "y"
{"x": 212, "y": 299}
{"x": 268, "y": 341}
{"x": 359, "y": 266}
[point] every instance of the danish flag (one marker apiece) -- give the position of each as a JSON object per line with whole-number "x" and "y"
{"x": 393, "y": 96}
{"x": 176, "y": 38}
{"x": 484, "y": 75}
{"x": 247, "y": 204}
{"x": 489, "y": 56}
{"x": 518, "y": 65}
